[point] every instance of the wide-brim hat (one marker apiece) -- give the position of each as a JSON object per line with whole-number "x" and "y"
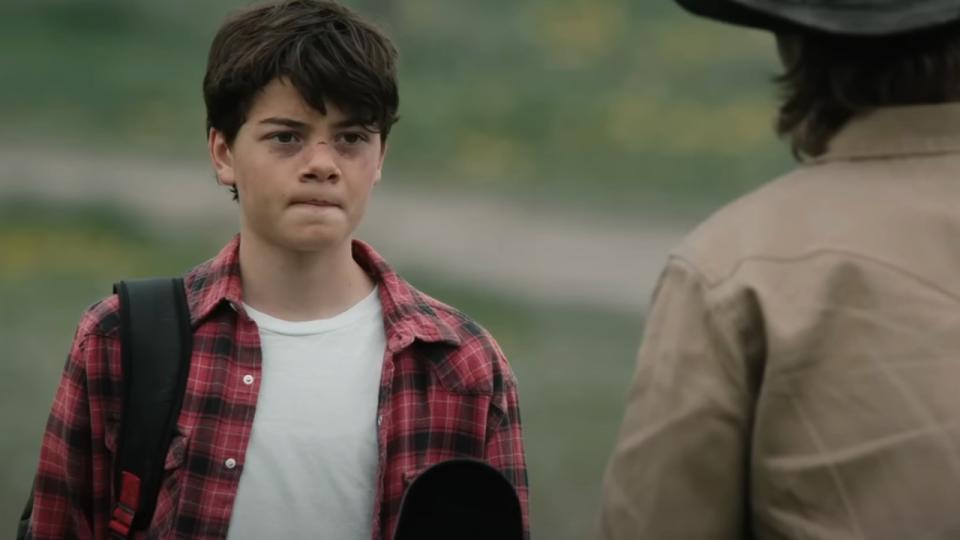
{"x": 461, "y": 499}
{"x": 844, "y": 17}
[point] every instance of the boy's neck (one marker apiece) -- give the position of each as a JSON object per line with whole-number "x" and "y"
{"x": 300, "y": 286}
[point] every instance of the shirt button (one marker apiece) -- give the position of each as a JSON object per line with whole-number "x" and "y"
{"x": 248, "y": 379}
{"x": 230, "y": 463}
{"x": 379, "y": 420}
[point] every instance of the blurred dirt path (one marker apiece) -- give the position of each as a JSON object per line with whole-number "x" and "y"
{"x": 538, "y": 254}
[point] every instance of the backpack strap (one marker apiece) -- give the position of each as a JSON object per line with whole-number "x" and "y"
{"x": 156, "y": 343}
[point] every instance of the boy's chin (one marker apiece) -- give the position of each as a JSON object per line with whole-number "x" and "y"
{"x": 315, "y": 241}
{"x": 313, "y": 238}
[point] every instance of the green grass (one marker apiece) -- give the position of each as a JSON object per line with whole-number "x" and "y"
{"x": 568, "y": 101}
{"x": 573, "y": 365}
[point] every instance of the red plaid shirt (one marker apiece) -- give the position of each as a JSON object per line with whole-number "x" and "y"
{"x": 446, "y": 391}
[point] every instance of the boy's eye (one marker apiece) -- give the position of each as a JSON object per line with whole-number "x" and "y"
{"x": 284, "y": 137}
{"x": 352, "y": 137}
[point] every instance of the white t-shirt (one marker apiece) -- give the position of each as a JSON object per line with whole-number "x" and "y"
{"x": 311, "y": 464}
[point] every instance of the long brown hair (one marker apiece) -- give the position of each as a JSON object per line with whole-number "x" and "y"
{"x": 828, "y": 80}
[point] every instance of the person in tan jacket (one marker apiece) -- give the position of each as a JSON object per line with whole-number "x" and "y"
{"x": 800, "y": 371}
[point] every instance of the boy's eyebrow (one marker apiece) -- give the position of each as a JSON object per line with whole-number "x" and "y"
{"x": 296, "y": 124}
{"x": 286, "y": 122}
{"x": 349, "y": 122}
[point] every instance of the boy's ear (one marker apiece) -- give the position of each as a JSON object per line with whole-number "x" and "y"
{"x": 383, "y": 155}
{"x": 221, "y": 155}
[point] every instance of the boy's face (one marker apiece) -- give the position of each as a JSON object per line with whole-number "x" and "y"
{"x": 303, "y": 177}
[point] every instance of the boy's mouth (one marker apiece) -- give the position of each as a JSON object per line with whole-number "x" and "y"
{"x": 319, "y": 203}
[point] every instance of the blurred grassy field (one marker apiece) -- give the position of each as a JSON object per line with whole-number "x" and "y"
{"x": 609, "y": 106}
{"x": 613, "y": 103}
{"x": 573, "y": 366}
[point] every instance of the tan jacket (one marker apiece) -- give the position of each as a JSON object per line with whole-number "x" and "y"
{"x": 800, "y": 372}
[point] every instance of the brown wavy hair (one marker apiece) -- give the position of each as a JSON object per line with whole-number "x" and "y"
{"x": 828, "y": 80}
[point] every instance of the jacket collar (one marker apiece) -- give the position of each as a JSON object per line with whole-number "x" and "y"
{"x": 915, "y": 130}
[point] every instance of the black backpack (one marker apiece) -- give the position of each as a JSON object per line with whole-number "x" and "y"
{"x": 156, "y": 345}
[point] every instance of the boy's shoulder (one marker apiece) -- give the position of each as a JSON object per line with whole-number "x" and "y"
{"x": 463, "y": 354}
{"x": 467, "y": 331}
{"x": 102, "y": 318}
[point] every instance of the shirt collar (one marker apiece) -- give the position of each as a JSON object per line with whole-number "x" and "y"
{"x": 913, "y": 130}
{"x": 408, "y": 314}
{"x": 215, "y": 282}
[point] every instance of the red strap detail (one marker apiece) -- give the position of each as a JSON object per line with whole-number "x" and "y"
{"x": 127, "y": 503}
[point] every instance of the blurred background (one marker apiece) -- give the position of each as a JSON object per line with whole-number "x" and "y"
{"x": 565, "y": 145}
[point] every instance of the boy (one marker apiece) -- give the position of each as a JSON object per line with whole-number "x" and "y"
{"x": 320, "y": 383}
{"x": 799, "y": 368}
